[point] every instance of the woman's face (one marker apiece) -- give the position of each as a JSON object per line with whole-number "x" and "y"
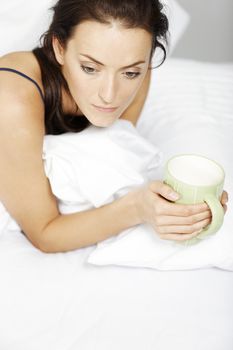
{"x": 104, "y": 66}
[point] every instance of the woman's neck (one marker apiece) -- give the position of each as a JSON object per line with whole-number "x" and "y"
{"x": 68, "y": 104}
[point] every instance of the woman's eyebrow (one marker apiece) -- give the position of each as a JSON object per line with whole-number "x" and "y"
{"x": 130, "y": 65}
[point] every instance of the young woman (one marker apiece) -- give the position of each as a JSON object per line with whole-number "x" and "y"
{"x": 93, "y": 67}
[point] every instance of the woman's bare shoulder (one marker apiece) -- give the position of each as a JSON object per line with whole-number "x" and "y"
{"x": 22, "y": 108}
{"x": 24, "y": 62}
{"x": 17, "y": 57}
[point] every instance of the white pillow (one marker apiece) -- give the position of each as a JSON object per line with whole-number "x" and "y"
{"x": 94, "y": 167}
{"x": 23, "y": 21}
{"x": 188, "y": 110}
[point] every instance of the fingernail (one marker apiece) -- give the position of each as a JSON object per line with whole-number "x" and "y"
{"x": 174, "y": 196}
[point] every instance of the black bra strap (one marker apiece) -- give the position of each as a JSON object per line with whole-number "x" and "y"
{"x": 25, "y": 76}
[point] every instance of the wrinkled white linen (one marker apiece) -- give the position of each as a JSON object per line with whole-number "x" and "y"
{"x": 92, "y": 168}
{"x": 7, "y": 223}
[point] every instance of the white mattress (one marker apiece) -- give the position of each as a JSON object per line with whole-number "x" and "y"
{"x": 60, "y": 302}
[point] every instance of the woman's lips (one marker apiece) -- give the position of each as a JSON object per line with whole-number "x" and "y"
{"x": 106, "y": 110}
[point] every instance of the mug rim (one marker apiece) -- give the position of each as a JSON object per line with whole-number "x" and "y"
{"x": 200, "y": 156}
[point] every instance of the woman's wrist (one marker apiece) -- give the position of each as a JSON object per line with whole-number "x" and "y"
{"x": 129, "y": 209}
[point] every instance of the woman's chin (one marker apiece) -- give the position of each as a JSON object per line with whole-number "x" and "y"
{"x": 102, "y": 121}
{"x": 104, "y": 124}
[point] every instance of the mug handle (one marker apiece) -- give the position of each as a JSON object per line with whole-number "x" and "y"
{"x": 217, "y": 216}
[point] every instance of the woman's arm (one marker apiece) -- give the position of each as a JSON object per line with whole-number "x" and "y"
{"x": 73, "y": 231}
{"x": 132, "y": 113}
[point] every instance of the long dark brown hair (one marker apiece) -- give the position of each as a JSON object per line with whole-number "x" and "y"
{"x": 145, "y": 14}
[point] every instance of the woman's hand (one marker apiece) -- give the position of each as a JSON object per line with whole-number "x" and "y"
{"x": 180, "y": 222}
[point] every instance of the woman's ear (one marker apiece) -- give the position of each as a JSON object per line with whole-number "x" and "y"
{"x": 58, "y": 50}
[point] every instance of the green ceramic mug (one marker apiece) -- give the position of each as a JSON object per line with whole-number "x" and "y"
{"x": 197, "y": 179}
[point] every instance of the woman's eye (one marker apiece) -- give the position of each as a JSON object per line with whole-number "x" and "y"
{"x": 132, "y": 75}
{"x": 88, "y": 70}
{"x": 91, "y": 70}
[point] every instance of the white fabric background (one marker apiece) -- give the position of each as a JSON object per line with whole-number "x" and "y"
{"x": 23, "y": 21}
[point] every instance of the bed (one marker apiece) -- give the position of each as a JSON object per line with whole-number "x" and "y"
{"x": 62, "y": 302}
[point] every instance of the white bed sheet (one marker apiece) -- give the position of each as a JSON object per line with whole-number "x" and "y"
{"x": 60, "y": 302}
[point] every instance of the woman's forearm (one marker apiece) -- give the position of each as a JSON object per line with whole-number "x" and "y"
{"x": 77, "y": 230}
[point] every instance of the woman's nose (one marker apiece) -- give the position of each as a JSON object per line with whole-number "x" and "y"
{"x": 107, "y": 90}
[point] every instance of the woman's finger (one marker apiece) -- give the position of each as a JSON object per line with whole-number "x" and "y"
{"x": 183, "y": 229}
{"x": 180, "y": 220}
{"x": 176, "y": 209}
{"x": 177, "y": 237}
{"x": 164, "y": 190}
{"x": 224, "y": 198}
